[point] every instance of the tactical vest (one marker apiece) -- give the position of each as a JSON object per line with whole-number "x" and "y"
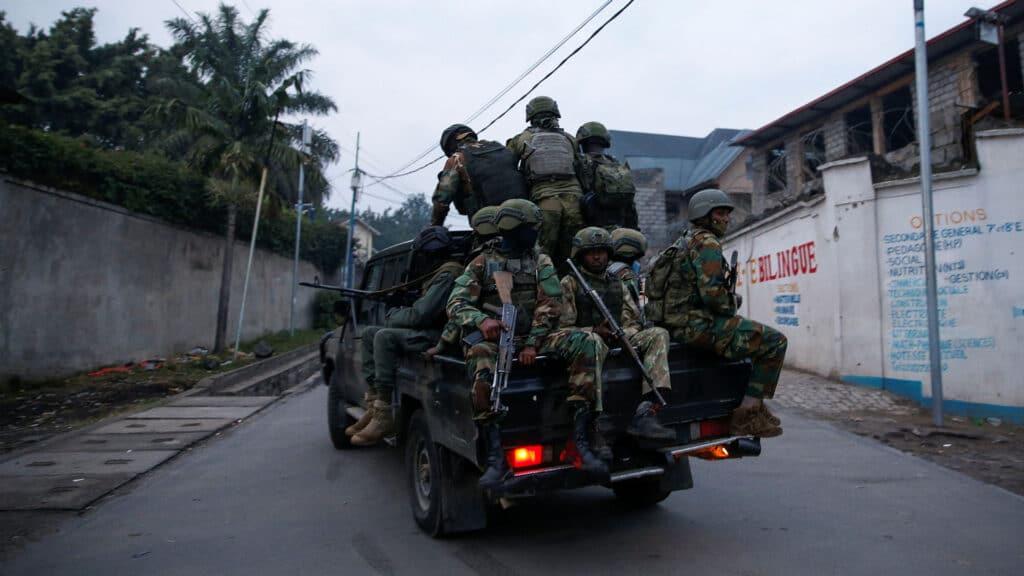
{"x": 673, "y": 292}
{"x": 453, "y": 268}
{"x": 609, "y": 288}
{"x": 549, "y": 156}
{"x": 612, "y": 182}
{"x": 494, "y": 174}
{"x": 524, "y": 288}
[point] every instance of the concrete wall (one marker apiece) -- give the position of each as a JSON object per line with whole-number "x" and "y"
{"x": 851, "y": 296}
{"x": 85, "y": 284}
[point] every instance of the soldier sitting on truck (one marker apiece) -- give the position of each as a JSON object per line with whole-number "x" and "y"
{"x": 688, "y": 292}
{"x": 538, "y": 296}
{"x": 592, "y": 248}
{"x": 407, "y": 329}
{"x": 629, "y": 246}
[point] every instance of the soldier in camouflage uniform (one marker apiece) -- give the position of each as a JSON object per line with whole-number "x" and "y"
{"x": 478, "y": 173}
{"x": 408, "y": 329}
{"x": 609, "y": 197}
{"x": 592, "y": 250}
{"x": 688, "y": 294}
{"x": 549, "y": 160}
{"x": 537, "y": 294}
{"x": 629, "y": 246}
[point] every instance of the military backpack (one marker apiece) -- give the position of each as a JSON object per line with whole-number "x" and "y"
{"x": 613, "y": 183}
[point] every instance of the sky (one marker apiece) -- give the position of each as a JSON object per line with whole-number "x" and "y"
{"x": 401, "y": 71}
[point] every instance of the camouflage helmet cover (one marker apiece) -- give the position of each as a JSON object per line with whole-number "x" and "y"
{"x": 449, "y": 133}
{"x": 539, "y": 105}
{"x": 516, "y": 212}
{"x": 483, "y": 221}
{"x": 594, "y": 130}
{"x": 703, "y": 202}
{"x": 590, "y": 238}
{"x": 432, "y": 239}
{"x": 628, "y": 243}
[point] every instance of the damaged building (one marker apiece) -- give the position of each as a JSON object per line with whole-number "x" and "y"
{"x": 875, "y": 114}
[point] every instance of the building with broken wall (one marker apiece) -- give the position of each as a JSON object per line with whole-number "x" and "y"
{"x": 875, "y": 115}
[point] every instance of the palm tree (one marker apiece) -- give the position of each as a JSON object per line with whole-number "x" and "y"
{"x": 226, "y": 124}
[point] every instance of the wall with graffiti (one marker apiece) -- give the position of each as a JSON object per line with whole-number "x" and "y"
{"x": 843, "y": 277}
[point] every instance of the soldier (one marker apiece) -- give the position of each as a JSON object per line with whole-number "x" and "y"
{"x": 688, "y": 294}
{"x": 408, "y": 329}
{"x": 609, "y": 197}
{"x": 537, "y": 294}
{"x": 629, "y": 246}
{"x": 548, "y": 160}
{"x": 592, "y": 249}
{"x": 478, "y": 173}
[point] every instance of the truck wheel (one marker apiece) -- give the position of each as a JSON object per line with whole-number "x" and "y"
{"x": 337, "y": 417}
{"x": 423, "y": 464}
{"x": 640, "y": 493}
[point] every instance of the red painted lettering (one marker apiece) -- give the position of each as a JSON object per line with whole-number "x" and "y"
{"x": 813, "y": 263}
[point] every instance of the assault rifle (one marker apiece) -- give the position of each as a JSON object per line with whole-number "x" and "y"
{"x": 616, "y": 330}
{"x": 506, "y": 342}
{"x": 397, "y": 296}
{"x": 730, "y": 281}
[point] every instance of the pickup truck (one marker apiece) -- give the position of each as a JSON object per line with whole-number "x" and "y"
{"x": 444, "y": 453}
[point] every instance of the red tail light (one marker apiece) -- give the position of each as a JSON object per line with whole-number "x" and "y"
{"x": 713, "y": 428}
{"x": 525, "y": 456}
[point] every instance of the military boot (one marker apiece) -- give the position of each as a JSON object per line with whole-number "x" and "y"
{"x": 753, "y": 421}
{"x": 354, "y": 429}
{"x": 589, "y": 462}
{"x": 381, "y": 425}
{"x": 497, "y": 467}
{"x": 645, "y": 424}
{"x": 601, "y": 447}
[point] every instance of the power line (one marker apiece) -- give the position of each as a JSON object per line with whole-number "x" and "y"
{"x": 183, "y": 11}
{"x": 508, "y": 88}
{"x": 521, "y": 98}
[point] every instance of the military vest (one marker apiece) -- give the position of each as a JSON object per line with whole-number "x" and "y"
{"x": 524, "y": 287}
{"x": 609, "y": 288}
{"x": 494, "y": 175}
{"x": 550, "y": 155}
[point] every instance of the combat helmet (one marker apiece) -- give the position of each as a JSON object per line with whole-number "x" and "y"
{"x": 541, "y": 104}
{"x": 590, "y": 238}
{"x": 596, "y": 131}
{"x": 483, "y": 221}
{"x": 628, "y": 243}
{"x": 703, "y": 202}
{"x": 450, "y": 133}
{"x": 432, "y": 239}
{"x": 516, "y": 212}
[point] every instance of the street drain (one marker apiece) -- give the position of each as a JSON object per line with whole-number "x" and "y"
{"x": 114, "y": 461}
{"x": 41, "y": 463}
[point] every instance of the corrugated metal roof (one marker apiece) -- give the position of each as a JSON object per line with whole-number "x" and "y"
{"x": 681, "y": 158}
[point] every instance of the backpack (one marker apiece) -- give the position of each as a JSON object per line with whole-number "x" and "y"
{"x": 613, "y": 183}
{"x": 657, "y": 282}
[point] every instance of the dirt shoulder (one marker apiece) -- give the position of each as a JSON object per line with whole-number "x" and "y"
{"x": 989, "y": 450}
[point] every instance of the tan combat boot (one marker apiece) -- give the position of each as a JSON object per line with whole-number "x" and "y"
{"x": 754, "y": 421}
{"x": 380, "y": 426}
{"x": 354, "y": 429}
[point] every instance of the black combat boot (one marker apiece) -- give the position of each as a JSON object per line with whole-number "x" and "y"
{"x": 600, "y": 445}
{"x": 645, "y": 424}
{"x": 590, "y": 463}
{"x": 497, "y": 467}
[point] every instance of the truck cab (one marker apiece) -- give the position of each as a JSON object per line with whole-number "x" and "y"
{"x": 443, "y": 448}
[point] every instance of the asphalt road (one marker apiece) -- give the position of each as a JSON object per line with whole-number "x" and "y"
{"x": 273, "y": 497}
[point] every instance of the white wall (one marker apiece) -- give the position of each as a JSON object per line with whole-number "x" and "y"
{"x": 861, "y": 314}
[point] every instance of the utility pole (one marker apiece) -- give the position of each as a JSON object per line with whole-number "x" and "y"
{"x": 299, "y": 208}
{"x": 924, "y": 140}
{"x": 357, "y": 179}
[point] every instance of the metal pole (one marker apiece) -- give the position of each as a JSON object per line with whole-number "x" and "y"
{"x": 1002, "y": 75}
{"x": 925, "y": 141}
{"x": 352, "y": 220}
{"x": 298, "y": 226}
{"x": 248, "y": 267}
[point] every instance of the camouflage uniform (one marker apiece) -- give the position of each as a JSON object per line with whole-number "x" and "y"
{"x": 694, "y": 304}
{"x": 559, "y": 201}
{"x": 653, "y": 342}
{"x": 537, "y": 293}
{"x": 408, "y": 329}
{"x": 624, "y": 216}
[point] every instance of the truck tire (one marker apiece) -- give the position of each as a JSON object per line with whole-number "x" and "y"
{"x": 337, "y": 416}
{"x": 423, "y": 465}
{"x": 641, "y": 492}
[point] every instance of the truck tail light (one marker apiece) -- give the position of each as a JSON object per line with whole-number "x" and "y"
{"x": 525, "y": 456}
{"x": 713, "y": 453}
{"x": 712, "y": 428}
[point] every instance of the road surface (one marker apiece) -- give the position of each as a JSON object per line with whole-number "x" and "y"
{"x": 273, "y": 497}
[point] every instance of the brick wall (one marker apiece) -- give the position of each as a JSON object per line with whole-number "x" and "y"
{"x": 650, "y": 205}
{"x": 950, "y": 83}
{"x": 835, "y": 138}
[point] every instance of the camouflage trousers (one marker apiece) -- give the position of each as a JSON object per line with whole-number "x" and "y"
{"x": 562, "y": 220}
{"x": 382, "y": 348}
{"x": 737, "y": 338}
{"x": 583, "y": 352}
{"x": 653, "y": 346}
